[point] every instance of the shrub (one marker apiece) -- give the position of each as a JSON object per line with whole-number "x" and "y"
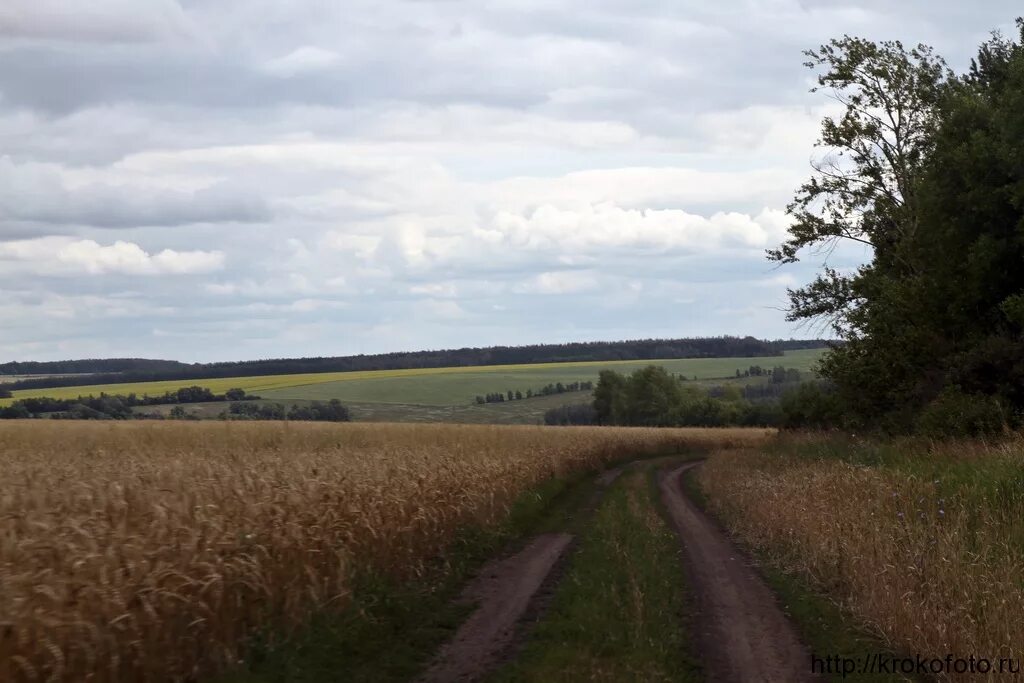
{"x": 956, "y": 414}
{"x": 813, "y": 405}
{"x": 578, "y": 414}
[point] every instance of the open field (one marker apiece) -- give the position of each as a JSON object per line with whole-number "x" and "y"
{"x": 156, "y": 550}
{"x": 921, "y": 543}
{"x": 430, "y": 386}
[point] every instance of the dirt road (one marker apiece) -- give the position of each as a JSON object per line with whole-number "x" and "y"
{"x": 742, "y": 633}
{"x": 503, "y": 590}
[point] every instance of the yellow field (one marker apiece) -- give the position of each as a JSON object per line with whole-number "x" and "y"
{"x": 250, "y": 384}
{"x": 144, "y": 551}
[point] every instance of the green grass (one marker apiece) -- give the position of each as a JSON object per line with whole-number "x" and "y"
{"x": 430, "y": 386}
{"x": 620, "y": 612}
{"x": 526, "y": 411}
{"x": 461, "y": 387}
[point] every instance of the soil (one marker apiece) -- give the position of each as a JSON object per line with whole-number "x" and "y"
{"x": 608, "y": 477}
{"x": 741, "y": 631}
{"x": 503, "y": 590}
{"x": 511, "y": 594}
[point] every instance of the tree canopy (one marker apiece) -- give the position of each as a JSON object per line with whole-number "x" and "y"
{"x": 926, "y": 167}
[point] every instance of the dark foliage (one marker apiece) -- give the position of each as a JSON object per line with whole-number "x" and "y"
{"x": 92, "y": 365}
{"x": 928, "y": 169}
{"x": 112, "y": 406}
{"x": 316, "y": 411}
{"x": 580, "y": 414}
{"x": 548, "y": 390}
{"x": 651, "y": 397}
{"x": 813, "y": 405}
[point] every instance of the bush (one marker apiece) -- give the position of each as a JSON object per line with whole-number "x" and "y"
{"x": 956, "y": 414}
{"x": 332, "y": 411}
{"x": 15, "y": 412}
{"x": 235, "y": 395}
{"x": 811, "y": 405}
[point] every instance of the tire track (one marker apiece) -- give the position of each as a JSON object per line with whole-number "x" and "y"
{"x": 511, "y": 593}
{"x": 742, "y": 633}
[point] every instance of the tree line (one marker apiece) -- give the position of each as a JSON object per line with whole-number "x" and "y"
{"x": 316, "y": 411}
{"x": 546, "y": 390}
{"x": 925, "y": 168}
{"x": 90, "y": 365}
{"x": 653, "y": 397}
{"x": 113, "y": 406}
{"x": 140, "y": 370}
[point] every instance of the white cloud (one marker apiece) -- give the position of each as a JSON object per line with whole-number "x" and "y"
{"x": 65, "y": 256}
{"x": 609, "y": 227}
{"x": 361, "y": 246}
{"x": 305, "y": 59}
{"x": 447, "y": 290}
{"x": 637, "y": 186}
{"x": 442, "y": 310}
{"x": 559, "y": 282}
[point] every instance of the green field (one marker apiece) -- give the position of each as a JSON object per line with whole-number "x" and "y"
{"x": 526, "y": 411}
{"x": 458, "y": 386}
{"x": 430, "y": 386}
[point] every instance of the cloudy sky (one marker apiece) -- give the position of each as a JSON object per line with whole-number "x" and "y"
{"x": 225, "y": 179}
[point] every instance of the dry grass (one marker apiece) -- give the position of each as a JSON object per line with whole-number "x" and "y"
{"x": 153, "y": 551}
{"x": 924, "y": 544}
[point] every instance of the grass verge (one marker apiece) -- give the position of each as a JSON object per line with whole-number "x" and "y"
{"x": 619, "y": 612}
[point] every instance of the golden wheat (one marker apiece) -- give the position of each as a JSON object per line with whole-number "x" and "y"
{"x": 935, "y": 567}
{"x": 152, "y": 551}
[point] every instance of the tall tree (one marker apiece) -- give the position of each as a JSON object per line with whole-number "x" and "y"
{"x": 608, "y": 397}
{"x": 932, "y": 181}
{"x": 973, "y": 202}
{"x": 863, "y": 186}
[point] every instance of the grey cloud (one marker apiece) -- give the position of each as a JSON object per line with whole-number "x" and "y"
{"x": 682, "y": 59}
{"x": 370, "y": 147}
{"x": 97, "y": 21}
{"x": 37, "y": 194}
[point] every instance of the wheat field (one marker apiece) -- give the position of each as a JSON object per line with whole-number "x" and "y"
{"x": 923, "y": 544}
{"x": 155, "y": 551}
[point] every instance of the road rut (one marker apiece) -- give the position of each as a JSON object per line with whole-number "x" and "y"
{"x": 742, "y": 633}
{"x": 503, "y": 590}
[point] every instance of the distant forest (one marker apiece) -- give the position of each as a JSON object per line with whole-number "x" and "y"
{"x": 121, "y": 370}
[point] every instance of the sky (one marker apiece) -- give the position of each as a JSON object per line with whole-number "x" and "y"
{"x": 235, "y": 179}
